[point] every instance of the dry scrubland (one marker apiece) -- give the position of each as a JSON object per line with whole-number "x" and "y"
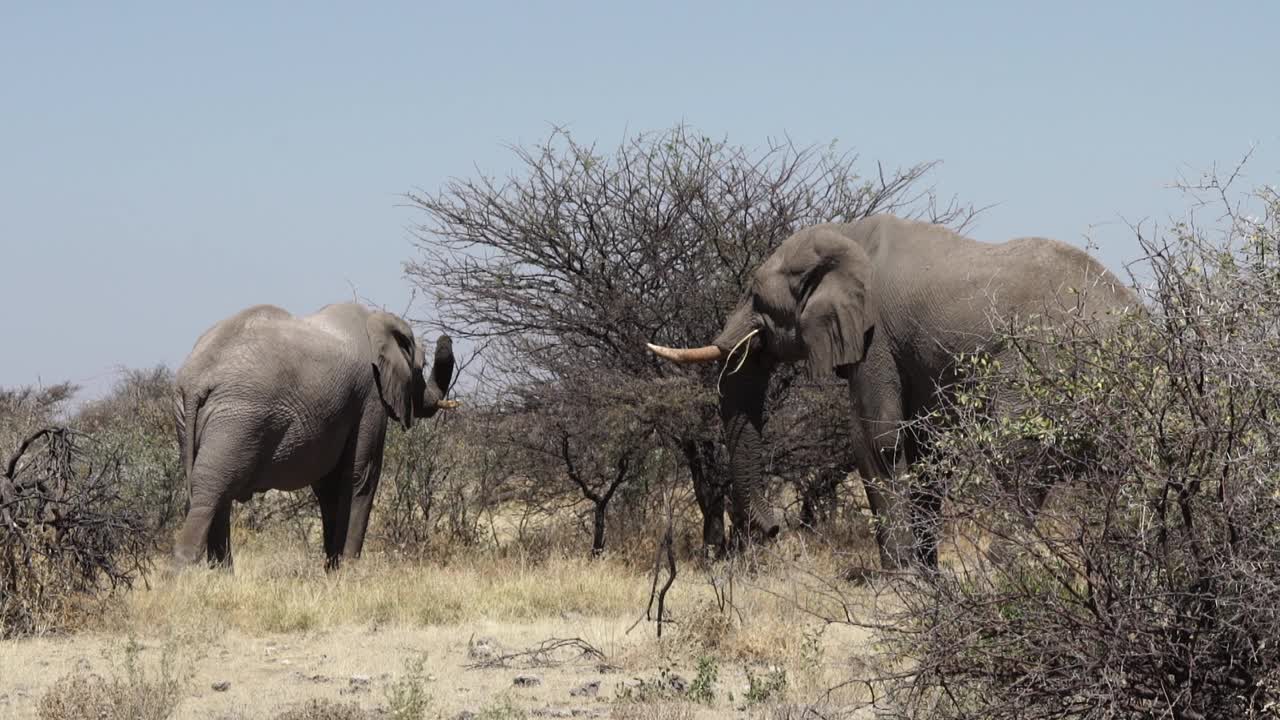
{"x": 1145, "y": 588}
{"x": 397, "y": 637}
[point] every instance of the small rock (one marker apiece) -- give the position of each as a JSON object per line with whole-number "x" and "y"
{"x": 677, "y": 683}
{"x": 357, "y": 684}
{"x": 606, "y": 668}
{"x": 527, "y": 681}
{"x": 465, "y": 715}
{"x": 223, "y": 686}
{"x": 482, "y": 649}
{"x": 552, "y": 712}
{"x": 590, "y": 689}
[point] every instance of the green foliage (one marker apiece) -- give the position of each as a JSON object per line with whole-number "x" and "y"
{"x": 666, "y": 686}
{"x": 765, "y": 688}
{"x": 703, "y": 688}
{"x": 135, "y": 422}
{"x": 1144, "y": 585}
{"x": 408, "y": 697}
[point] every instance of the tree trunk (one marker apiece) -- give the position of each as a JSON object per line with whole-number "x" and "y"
{"x": 597, "y": 531}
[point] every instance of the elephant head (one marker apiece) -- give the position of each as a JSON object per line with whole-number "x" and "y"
{"x": 808, "y": 301}
{"x": 398, "y": 360}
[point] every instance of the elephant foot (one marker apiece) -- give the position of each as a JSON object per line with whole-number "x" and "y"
{"x": 186, "y": 557}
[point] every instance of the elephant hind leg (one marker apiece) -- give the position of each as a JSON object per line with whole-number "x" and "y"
{"x": 222, "y": 467}
{"x": 219, "y": 543}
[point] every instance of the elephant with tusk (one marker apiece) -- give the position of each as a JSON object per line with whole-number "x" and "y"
{"x": 270, "y": 401}
{"x": 886, "y": 304}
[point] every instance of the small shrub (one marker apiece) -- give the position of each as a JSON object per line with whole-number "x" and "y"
{"x": 69, "y": 533}
{"x": 407, "y": 697}
{"x": 135, "y": 694}
{"x": 501, "y": 709}
{"x": 667, "y": 686}
{"x": 655, "y": 711}
{"x": 765, "y": 688}
{"x": 703, "y": 688}
{"x": 325, "y": 710}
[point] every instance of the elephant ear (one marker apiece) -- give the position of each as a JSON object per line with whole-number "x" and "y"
{"x": 836, "y": 314}
{"x": 395, "y": 353}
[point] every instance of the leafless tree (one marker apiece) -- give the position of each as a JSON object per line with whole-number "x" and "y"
{"x": 579, "y": 257}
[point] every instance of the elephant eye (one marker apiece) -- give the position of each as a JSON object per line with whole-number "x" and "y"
{"x": 808, "y": 283}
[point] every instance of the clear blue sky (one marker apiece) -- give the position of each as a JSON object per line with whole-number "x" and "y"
{"x": 163, "y": 165}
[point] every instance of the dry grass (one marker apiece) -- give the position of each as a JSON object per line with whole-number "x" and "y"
{"x": 289, "y": 638}
{"x": 130, "y": 691}
{"x": 324, "y": 710}
{"x": 655, "y": 711}
{"x": 283, "y": 589}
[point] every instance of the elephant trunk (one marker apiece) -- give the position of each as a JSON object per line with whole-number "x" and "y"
{"x": 436, "y": 382}
{"x": 742, "y": 411}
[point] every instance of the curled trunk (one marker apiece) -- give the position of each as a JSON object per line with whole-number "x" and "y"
{"x": 742, "y": 411}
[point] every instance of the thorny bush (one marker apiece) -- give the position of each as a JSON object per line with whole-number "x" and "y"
{"x": 68, "y": 533}
{"x": 1146, "y": 586}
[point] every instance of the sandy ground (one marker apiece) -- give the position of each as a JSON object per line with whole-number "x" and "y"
{"x": 269, "y": 673}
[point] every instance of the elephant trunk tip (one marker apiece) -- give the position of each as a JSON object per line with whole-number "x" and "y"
{"x": 684, "y": 356}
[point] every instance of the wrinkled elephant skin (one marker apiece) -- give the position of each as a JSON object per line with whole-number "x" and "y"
{"x": 270, "y": 401}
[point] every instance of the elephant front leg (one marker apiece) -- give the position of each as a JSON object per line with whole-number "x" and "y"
{"x": 334, "y": 497}
{"x": 875, "y": 397}
{"x": 890, "y": 515}
{"x": 361, "y": 506}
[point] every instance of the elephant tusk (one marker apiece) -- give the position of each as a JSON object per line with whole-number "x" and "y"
{"x": 448, "y": 404}
{"x": 709, "y": 353}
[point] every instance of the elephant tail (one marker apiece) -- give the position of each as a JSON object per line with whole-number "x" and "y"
{"x": 186, "y": 413}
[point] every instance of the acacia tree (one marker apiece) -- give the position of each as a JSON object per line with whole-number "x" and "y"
{"x": 577, "y": 258}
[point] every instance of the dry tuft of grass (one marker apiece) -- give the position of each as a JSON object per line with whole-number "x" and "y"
{"x": 654, "y": 711}
{"x": 325, "y": 710}
{"x": 134, "y": 693}
{"x": 281, "y": 588}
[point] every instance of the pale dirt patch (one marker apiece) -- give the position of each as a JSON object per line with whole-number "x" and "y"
{"x": 268, "y": 673}
{"x": 281, "y": 632}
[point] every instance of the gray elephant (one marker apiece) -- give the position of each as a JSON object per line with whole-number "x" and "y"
{"x": 885, "y": 303}
{"x": 267, "y": 400}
